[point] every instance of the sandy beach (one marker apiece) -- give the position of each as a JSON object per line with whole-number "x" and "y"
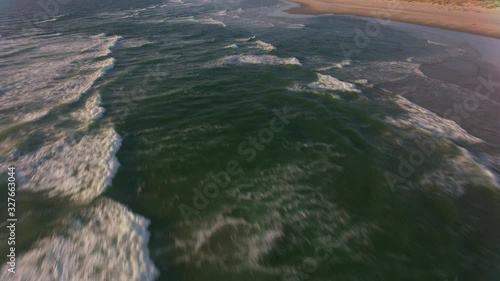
{"x": 470, "y": 18}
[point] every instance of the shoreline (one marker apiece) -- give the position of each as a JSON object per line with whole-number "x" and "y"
{"x": 462, "y": 71}
{"x": 470, "y": 19}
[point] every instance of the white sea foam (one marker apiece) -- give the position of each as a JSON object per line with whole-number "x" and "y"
{"x": 100, "y": 35}
{"x": 291, "y": 203}
{"x": 455, "y": 173}
{"x": 51, "y": 19}
{"x": 64, "y": 69}
{"x": 361, "y": 81}
{"x": 336, "y": 65}
{"x": 83, "y": 88}
{"x": 114, "y": 14}
{"x": 436, "y": 43}
{"x": 223, "y": 239}
{"x": 331, "y": 83}
{"x": 211, "y": 21}
{"x": 77, "y": 167}
{"x": 131, "y": 15}
{"x": 111, "y": 43}
{"x": 422, "y": 118}
{"x": 386, "y": 71}
{"x": 134, "y": 43}
{"x": 136, "y": 12}
{"x": 48, "y": 35}
{"x": 492, "y": 161}
{"x": 232, "y": 46}
{"x": 237, "y": 244}
{"x": 103, "y": 242}
{"x": 264, "y": 46}
{"x": 222, "y": 13}
{"x": 262, "y": 59}
{"x": 258, "y": 44}
{"x": 91, "y": 111}
{"x": 296, "y": 87}
{"x": 246, "y": 39}
{"x": 182, "y": 19}
{"x": 295, "y": 25}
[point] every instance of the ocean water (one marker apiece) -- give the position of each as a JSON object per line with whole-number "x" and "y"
{"x": 226, "y": 140}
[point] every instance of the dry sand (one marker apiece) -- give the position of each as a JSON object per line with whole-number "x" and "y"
{"x": 469, "y": 17}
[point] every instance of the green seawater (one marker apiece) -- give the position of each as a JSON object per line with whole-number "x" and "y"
{"x": 255, "y": 148}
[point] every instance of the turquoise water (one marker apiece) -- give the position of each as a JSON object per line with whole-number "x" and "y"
{"x": 192, "y": 140}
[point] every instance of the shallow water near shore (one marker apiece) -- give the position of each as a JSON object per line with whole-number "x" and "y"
{"x": 192, "y": 140}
